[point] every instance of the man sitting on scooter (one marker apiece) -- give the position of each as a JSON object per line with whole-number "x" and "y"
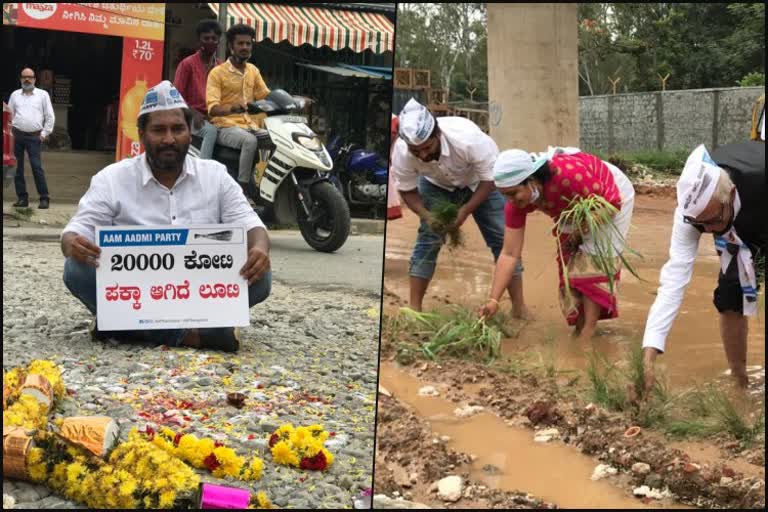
{"x": 230, "y": 87}
{"x": 191, "y": 79}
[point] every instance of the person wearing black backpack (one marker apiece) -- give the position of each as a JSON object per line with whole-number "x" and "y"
{"x": 721, "y": 194}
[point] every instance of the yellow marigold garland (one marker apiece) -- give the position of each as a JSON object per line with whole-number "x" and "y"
{"x": 138, "y": 473}
{"x": 260, "y": 500}
{"x": 25, "y": 410}
{"x": 301, "y": 447}
{"x": 206, "y": 454}
{"x": 11, "y": 382}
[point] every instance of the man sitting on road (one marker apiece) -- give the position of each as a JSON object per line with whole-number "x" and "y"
{"x": 164, "y": 186}
{"x": 231, "y": 86}
{"x": 722, "y": 195}
{"x": 448, "y": 159}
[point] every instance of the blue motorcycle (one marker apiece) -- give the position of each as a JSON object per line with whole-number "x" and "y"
{"x": 359, "y": 174}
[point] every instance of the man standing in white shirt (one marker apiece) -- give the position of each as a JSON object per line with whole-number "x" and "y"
{"x": 32, "y": 123}
{"x": 723, "y": 195}
{"x": 164, "y": 186}
{"x": 448, "y": 159}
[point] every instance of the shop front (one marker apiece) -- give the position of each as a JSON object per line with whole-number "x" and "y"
{"x": 337, "y": 54}
{"x": 95, "y": 60}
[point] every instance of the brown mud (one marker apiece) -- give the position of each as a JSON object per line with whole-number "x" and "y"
{"x": 694, "y": 350}
{"x": 715, "y": 472}
{"x": 410, "y": 460}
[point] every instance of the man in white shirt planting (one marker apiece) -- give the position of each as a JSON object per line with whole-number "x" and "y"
{"x": 723, "y": 195}
{"x": 164, "y": 186}
{"x": 448, "y": 160}
{"x": 32, "y": 123}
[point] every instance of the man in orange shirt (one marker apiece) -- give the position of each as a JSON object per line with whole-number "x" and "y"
{"x": 230, "y": 87}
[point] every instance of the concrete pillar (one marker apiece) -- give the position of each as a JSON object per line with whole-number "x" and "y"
{"x": 533, "y": 75}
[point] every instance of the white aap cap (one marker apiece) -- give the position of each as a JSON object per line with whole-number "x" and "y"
{"x": 163, "y": 96}
{"x": 513, "y": 166}
{"x": 416, "y": 123}
{"x": 697, "y": 182}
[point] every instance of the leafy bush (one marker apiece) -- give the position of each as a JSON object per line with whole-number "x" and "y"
{"x": 752, "y": 79}
{"x": 667, "y": 162}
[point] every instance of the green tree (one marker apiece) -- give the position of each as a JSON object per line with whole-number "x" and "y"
{"x": 698, "y": 44}
{"x": 447, "y": 39}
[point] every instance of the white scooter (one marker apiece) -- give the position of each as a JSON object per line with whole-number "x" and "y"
{"x": 296, "y": 185}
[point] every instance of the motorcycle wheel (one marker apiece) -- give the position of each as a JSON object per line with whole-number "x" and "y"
{"x": 331, "y": 230}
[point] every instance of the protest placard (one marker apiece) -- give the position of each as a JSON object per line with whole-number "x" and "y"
{"x": 171, "y": 277}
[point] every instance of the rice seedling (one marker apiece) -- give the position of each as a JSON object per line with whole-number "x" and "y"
{"x": 689, "y": 428}
{"x": 636, "y": 377}
{"x": 605, "y": 387}
{"x": 513, "y": 367}
{"x": 461, "y": 338}
{"x": 709, "y": 410}
{"x": 425, "y": 322}
{"x": 548, "y": 356}
{"x": 623, "y": 390}
{"x": 731, "y": 420}
{"x": 592, "y": 216}
{"x": 458, "y": 334}
{"x": 444, "y": 214}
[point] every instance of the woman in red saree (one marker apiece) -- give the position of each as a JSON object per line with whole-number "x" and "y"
{"x": 548, "y": 183}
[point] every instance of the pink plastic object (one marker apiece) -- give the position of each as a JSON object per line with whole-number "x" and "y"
{"x": 217, "y": 496}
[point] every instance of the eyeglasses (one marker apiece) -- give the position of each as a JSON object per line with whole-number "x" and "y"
{"x": 702, "y": 223}
{"x": 30, "y": 77}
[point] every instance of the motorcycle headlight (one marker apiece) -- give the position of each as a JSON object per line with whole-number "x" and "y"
{"x": 311, "y": 143}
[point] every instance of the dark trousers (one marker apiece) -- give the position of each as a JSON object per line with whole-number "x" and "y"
{"x": 33, "y": 146}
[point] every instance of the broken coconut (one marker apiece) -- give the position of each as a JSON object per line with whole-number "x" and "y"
{"x": 97, "y": 434}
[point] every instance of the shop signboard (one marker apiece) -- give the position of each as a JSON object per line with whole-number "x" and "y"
{"x": 124, "y": 20}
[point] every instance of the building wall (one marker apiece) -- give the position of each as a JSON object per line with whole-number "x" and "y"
{"x": 532, "y": 74}
{"x": 669, "y": 120}
{"x": 181, "y": 24}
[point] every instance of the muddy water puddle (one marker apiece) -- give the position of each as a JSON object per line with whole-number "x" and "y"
{"x": 507, "y": 457}
{"x": 694, "y": 349}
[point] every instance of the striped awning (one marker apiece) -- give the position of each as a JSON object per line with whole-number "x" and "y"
{"x": 350, "y": 71}
{"x": 337, "y": 29}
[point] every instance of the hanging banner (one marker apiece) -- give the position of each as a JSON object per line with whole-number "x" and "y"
{"x": 142, "y": 69}
{"x": 145, "y": 21}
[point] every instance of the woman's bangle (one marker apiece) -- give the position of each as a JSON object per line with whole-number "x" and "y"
{"x": 493, "y": 300}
